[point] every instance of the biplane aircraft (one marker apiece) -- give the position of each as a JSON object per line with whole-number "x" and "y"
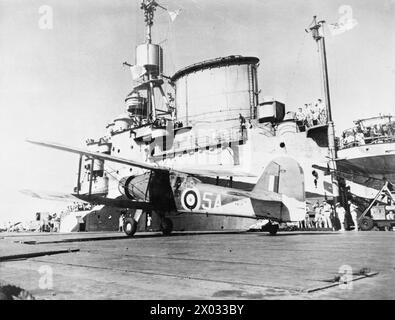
{"x": 278, "y": 196}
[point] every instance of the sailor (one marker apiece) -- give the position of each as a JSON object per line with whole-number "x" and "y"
{"x": 242, "y": 121}
{"x": 242, "y": 124}
{"x": 300, "y": 119}
{"x": 307, "y": 221}
{"x": 149, "y": 220}
{"x": 354, "y": 214}
{"x": 341, "y": 213}
{"x": 375, "y": 130}
{"x": 307, "y": 112}
{"x": 163, "y": 122}
{"x": 359, "y": 137}
{"x": 121, "y": 218}
{"x": 318, "y": 216}
{"x": 315, "y": 115}
{"x": 157, "y": 122}
{"x": 326, "y": 214}
{"x": 321, "y": 108}
{"x": 390, "y": 215}
{"x": 391, "y": 129}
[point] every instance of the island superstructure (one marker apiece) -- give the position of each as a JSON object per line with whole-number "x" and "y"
{"x": 212, "y": 117}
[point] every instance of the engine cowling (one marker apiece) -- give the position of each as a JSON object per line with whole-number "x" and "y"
{"x": 135, "y": 187}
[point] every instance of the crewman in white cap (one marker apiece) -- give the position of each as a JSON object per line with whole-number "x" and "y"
{"x": 341, "y": 213}
{"x": 354, "y": 214}
{"x": 326, "y": 213}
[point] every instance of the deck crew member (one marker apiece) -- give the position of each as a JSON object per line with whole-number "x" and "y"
{"x": 326, "y": 213}
{"x": 315, "y": 115}
{"x": 341, "y": 213}
{"x": 308, "y": 110}
{"x": 390, "y": 215}
{"x": 121, "y": 219}
{"x": 307, "y": 220}
{"x": 300, "y": 119}
{"x": 359, "y": 137}
{"x": 242, "y": 124}
{"x": 318, "y": 215}
{"x": 322, "y": 109}
{"x": 354, "y": 214}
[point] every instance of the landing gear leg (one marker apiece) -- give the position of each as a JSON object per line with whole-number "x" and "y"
{"x": 272, "y": 228}
{"x": 130, "y": 226}
{"x": 166, "y": 226}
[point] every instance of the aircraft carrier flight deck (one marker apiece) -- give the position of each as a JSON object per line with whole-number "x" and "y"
{"x": 200, "y": 265}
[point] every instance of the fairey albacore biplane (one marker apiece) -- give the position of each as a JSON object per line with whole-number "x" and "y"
{"x": 278, "y": 195}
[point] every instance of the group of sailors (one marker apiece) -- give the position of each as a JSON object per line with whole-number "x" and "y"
{"x": 376, "y": 133}
{"x": 160, "y": 122}
{"x": 78, "y": 206}
{"x": 311, "y": 114}
{"x": 52, "y": 224}
{"x": 325, "y": 216}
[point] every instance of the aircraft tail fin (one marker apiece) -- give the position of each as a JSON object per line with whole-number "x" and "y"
{"x": 285, "y": 177}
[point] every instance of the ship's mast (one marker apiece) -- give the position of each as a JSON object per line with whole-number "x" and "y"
{"x": 147, "y": 71}
{"x": 149, "y": 7}
{"x": 320, "y": 39}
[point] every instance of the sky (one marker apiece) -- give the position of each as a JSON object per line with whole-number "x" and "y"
{"x": 67, "y": 82}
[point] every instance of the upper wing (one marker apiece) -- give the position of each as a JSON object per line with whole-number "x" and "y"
{"x": 209, "y": 171}
{"x": 45, "y": 195}
{"x": 100, "y": 156}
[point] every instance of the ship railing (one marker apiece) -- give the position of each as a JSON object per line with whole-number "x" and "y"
{"x": 232, "y": 134}
{"x": 217, "y": 138}
{"x": 355, "y": 142}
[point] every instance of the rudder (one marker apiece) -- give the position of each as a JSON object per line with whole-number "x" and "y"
{"x": 284, "y": 176}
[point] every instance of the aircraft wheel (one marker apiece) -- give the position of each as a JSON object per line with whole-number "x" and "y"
{"x": 130, "y": 227}
{"x": 366, "y": 224}
{"x": 166, "y": 226}
{"x": 273, "y": 229}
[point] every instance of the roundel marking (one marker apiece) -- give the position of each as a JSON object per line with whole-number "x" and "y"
{"x": 190, "y": 199}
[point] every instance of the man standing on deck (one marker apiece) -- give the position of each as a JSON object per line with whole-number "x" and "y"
{"x": 315, "y": 115}
{"x": 322, "y": 111}
{"x": 341, "y": 213}
{"x": 318, "y": 215}
{"x": 354, "y": 215}
{"x": 121, "y": 219}
{"x": 242, "y": 124}
{"x": 301, "y": 119}
{"x": 326, "y": 213}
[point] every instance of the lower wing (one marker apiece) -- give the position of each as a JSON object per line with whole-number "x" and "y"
{"x": 94, "y": 199}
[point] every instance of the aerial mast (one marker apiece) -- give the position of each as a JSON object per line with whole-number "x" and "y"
{"x": 149, "y": 7}
{"x": 320, "y": 39}
{"x": 148, "y": 67}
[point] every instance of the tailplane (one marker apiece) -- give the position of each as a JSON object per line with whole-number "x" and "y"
{"x": 285, "y": 177}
